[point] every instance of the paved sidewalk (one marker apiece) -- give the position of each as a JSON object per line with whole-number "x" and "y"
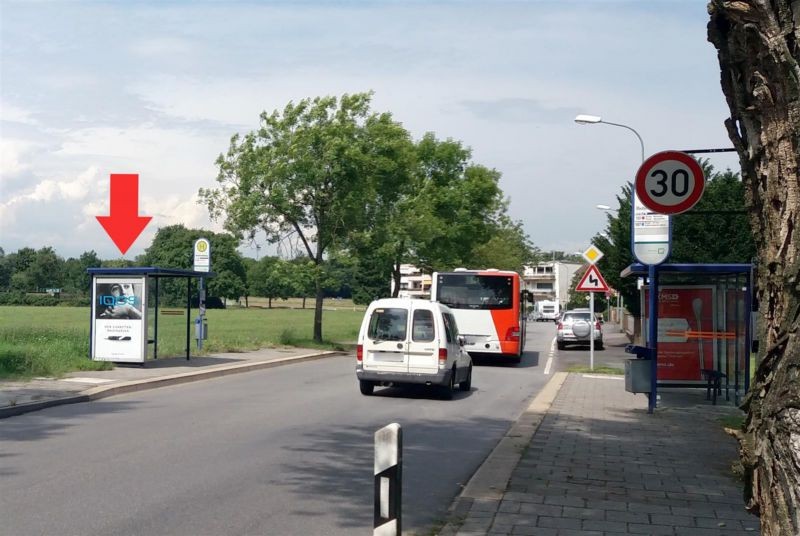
{"x": 599, "y": 464}
{"x": 18, "y": 397}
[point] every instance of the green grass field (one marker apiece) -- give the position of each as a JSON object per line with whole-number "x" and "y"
{"x": 50, "y": 341}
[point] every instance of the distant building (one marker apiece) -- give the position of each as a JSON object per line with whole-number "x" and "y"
{"x": 550, "y": 280}
{"x": 413, "y": 283}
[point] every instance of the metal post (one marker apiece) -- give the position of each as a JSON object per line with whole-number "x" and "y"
{"x": 652, "y": 332}
{"x": 155, "y": 324}
{"x": 591, "y": 332}
{"x": 201, "y": 308}
{"x": 388, "y": 471}
{"x": 188, "y": 316}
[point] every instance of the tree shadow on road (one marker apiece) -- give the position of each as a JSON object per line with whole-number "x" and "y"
{"x": 431, "y": 453}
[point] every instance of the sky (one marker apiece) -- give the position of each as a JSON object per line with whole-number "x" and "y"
{"x": 158, "y": 88}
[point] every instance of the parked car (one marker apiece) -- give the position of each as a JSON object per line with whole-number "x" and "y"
{"x": 575, "y": 327}
{"x": 407, "y": 341}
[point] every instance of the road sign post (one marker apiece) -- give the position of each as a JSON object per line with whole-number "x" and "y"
{"x": 669, "y": 182}
{"x": 202, "y": 263}
{"x": 591, "y": 282}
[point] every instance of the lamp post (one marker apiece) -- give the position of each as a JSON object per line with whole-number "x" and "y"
{"x": 652, "y": 272}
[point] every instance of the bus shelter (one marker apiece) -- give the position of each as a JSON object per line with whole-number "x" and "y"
{"x": 704, "y": 333}
{"x": 126, "y": 308}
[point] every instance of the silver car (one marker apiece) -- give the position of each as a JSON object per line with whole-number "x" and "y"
{"x": 574, "y": 327}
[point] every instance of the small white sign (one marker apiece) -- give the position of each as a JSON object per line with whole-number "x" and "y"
{"x": 202, "y": 255}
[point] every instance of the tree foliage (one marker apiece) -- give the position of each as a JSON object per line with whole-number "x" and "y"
{"x": 172, "y": 247}
{"x": 312, "y": 170}
{"x": 714, "y": 231}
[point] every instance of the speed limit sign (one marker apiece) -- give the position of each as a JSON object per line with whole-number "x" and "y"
{"x": 670, "y": 182}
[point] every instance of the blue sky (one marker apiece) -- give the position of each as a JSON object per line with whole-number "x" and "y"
{"x": 158, "y": 88}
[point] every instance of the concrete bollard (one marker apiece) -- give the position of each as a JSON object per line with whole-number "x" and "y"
{"x": 388, "y": 481}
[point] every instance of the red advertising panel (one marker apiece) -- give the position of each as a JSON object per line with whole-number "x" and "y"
{"x": 686, "y": 332}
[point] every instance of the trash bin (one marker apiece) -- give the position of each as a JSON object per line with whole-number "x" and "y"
{"x": 637, "y": 375}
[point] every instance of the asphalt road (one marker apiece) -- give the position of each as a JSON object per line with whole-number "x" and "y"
{"x": 286, "y": 450}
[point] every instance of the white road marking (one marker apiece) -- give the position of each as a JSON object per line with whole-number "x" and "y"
{"x": 87, "y": 380}
{"x": 550, "y": 356}
{"x": 603, "y": 376}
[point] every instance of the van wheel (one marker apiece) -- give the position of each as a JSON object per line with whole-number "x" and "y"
{"x": 466, "y": 385}
{"x": 366, "y": 387}
{"x": 447, "y": 390}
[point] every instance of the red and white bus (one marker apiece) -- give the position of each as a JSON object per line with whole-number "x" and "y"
{"x": 489, "y": 308}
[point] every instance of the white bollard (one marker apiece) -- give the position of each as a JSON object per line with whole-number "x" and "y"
{"x": 388, "y": 473}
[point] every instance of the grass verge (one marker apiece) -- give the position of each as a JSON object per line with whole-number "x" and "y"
{"x": 583, "y": 369}
{"x": 51, "y": 341}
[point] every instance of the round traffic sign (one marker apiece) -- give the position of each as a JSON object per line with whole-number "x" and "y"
{"x": 670, "y": 182}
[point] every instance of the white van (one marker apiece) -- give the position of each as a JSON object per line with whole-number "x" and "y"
{"x": 411, "y": 341}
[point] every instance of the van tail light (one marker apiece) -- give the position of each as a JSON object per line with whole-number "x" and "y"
{"x": 442, "y": 357}
{"x": 513, "y": 334}
{"x": 360, "y": 353}
{"x": 559, "y": 325}
{"x": 597, "y": 326}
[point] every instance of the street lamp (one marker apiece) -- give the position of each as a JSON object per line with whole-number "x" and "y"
{"x": 652, "y": 272}
{"x": 595, "y": 119}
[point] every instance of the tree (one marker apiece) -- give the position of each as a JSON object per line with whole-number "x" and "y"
{"x": 76, "y": 279}
{"x": 313, "y": 171}
{"x": 270, "y": 278}
{"x": 301, "y": 273}
{"x": 172, "y": 248}
{"x": 509, "y": 248}
{"x": 759, "y": 57}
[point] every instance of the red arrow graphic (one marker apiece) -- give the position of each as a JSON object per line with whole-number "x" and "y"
{"x": 124, "y": 225}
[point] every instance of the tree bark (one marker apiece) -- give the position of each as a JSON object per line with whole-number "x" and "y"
{"x": 758, "y": 44}
{"x": 396, "y": 276}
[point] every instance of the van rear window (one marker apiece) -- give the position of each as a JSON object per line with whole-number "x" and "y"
{"x": 422, "y": 330}
{"x": 388, "y": 324}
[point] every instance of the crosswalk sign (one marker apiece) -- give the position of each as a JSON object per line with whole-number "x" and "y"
{"x": 592, "y": 281}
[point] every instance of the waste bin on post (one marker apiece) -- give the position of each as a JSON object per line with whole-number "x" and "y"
{"x": 637, "y": 371}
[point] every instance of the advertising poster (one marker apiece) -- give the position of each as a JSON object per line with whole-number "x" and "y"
{"x": 686, "y": 332}
{"x": 119, "y": 328}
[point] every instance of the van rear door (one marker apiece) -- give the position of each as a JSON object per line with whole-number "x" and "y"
{"x": 425, "y": 339}
{"x": 385, "y": 343}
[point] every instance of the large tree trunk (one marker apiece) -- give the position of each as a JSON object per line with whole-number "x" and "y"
{"x": 318, "y": 312}
{"x": 758, "y": 43}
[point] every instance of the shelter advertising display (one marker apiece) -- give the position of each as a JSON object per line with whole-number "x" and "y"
{"x": 119, "y": 327}
{"x": 686, "y": 331}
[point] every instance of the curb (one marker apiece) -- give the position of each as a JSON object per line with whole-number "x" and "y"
{"x": 490, "y": 479}
{"x": 96, "y": 393}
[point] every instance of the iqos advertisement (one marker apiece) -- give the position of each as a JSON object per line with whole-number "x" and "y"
{"x": 686, "y": 332}
{"x": 118, "y": 324}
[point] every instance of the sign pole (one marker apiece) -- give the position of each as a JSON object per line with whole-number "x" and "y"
{"x": 591, "y": 338}
{"x": 652, "y": 331}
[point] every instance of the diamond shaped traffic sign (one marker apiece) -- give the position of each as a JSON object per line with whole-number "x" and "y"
{"x": 592, "y": 255}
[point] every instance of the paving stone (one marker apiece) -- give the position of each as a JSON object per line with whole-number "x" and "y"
{"x": 584, "y": 513}
{"x": 627, "y": 517}
{"x": 655, "y": 530}
{"x": 604, "y": 526}
{"x": 675, "y": 521}
{"x": 558, "y": 522}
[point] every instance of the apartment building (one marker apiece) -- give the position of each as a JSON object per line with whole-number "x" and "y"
{"x": 550, "y": 280}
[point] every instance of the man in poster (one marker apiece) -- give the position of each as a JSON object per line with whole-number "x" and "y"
{"x": 119, "y": 329}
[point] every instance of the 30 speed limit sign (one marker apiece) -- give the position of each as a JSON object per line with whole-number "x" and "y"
{"x": 670, "y": 182}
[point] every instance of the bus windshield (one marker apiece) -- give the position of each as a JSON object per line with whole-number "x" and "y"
{"x": 471, "y": 291}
